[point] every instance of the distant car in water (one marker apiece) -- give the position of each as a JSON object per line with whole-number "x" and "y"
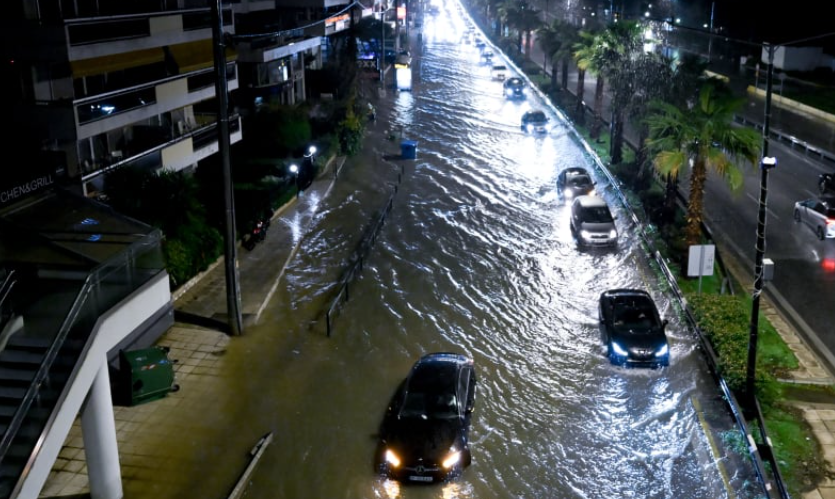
{"x": 632, "y": 329}
{"x": 536, "y": 121}
{"x": 487, "y": 56}
{"x": 499, "y": 72}
{"x": 574, "y": 181}
{"x": 424, "y": 436}
{"x": 514, "y": 88}
{"x": 818, "y": 215}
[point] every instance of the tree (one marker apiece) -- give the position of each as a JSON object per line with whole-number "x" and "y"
{"x": 524, "y": 20}
{"x": 588, "y": 57}
{"x": 556, "y": 40}
{"x": 582, "y": 50}
{"x": 702, "y": 135}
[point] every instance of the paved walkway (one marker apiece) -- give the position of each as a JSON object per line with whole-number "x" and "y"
{"x": 197, "y": 345}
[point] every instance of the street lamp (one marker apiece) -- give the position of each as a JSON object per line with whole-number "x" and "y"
{"x": 294, "y": 169}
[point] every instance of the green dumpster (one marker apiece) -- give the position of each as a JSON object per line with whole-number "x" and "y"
{"x": 147, "y": 374}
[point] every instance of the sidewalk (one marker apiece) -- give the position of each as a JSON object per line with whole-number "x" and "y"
{"x": 151, "y": 467}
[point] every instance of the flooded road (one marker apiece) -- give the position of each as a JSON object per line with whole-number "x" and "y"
{"x": 475, "y": 257}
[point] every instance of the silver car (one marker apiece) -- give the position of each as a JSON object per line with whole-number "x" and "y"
{"x": 818, "y": 214}
{"x": 592, "y": 223}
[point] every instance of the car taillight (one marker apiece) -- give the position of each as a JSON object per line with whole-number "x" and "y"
{"x": 830, "y": 221}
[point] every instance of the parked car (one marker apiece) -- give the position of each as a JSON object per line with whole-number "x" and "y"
{"x": 592, "y": 223}
{"x": 499, "y": 72}
{"x": 424, "y": 433}
{"x": 632, "y": 329}
{"x": 535, "y": 121}
{"x": 574, "y": 181}
{"x": 818, "y": 214}
{"x": 514, "y": 88}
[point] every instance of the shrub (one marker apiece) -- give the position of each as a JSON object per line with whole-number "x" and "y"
{"x": 723, "y": 321}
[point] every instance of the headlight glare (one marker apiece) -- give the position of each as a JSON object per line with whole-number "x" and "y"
{"x": 613, "y": 233}
{"x": 585, "y": 234}
{"x": 619, "y": 350}
{"x": 663, "y": 351}
{"x": 452, "y": 460}
{"x": 392, "y": 459}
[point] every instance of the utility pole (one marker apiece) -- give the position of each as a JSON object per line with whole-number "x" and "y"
{"x": 233, "y": 292}
{"x": 765, "y": 165}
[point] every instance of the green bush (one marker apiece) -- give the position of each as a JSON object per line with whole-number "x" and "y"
{"x": 723, "y": 319}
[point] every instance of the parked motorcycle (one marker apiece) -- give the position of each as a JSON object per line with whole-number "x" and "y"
{"x": 256, "y": 235}
{"x": 826, "y": 183}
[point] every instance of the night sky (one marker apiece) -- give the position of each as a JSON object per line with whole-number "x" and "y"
{"x": 775, "y": 23}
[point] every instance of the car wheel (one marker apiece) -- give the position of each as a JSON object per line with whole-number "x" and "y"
{"x": 820, "y": 233}
{"x": 796, "y": 215}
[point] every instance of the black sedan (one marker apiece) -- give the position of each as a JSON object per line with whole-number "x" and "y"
{"x": 573, "y": 182}
{"x": 514, "y": 88}
{"x": 535, "y": 121}
{"x": 424, "y": 434}
{"x": 632, "y": 330}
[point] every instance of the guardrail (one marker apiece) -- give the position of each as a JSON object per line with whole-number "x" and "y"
{"x": 363, "y": 248}
{"x": 810, "y": 151}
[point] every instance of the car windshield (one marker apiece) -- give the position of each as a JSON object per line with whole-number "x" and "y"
{"x": 597, "y": 215}
{"x": 579, "y": 181}
{"x": 535, "y": 116}
{"x": 635, "y": 319}
{"x": 430, "y": 406}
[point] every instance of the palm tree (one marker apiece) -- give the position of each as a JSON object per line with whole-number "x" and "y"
{"x": 702, "y": 135}
{"x": 619, "y": 56}
{"x": 556, "y": 40}
{"x": 581, "y": 49}
{"x": 524, "y": 19}
{"x": 588, "y": 57}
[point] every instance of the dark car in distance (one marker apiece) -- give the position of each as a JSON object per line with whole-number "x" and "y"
{"x": 535, "y": 121}
{"x": 632, "y": 330}
{"x": 424, "y": 434}
{"x": 514, "y": 88}
{"x": 574, "y": 181}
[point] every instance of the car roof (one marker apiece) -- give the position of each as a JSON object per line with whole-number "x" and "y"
{"x": 436, "y": 370}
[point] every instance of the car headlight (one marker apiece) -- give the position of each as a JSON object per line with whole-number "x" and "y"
{"x": 619, "y": 350}
{"x": 585, "y": 234}
{"x": 592, "y": 193}
{"x": 509, "y": 91}
{"x": 569, "y": 194}
{"x": 452, "y": 460}
{"x": 529, "y": 127}
{"x": 663, "y": 351}
{"x": 613, "y": 234}
{"x": 392, "y": 459}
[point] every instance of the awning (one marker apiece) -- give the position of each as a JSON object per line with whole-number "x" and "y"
{"x": 197, "y": 55}
{"x": 116, "y": 62}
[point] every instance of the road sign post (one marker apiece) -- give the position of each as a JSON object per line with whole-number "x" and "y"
{"x": 700, "y": 261}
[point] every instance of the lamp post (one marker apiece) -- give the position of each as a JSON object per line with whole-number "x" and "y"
{"x": 294, "y": 169}
{"x": 233, "y": 290}
{"x": 382, "y": 55}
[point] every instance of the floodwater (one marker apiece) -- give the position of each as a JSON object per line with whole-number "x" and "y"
{"x": 475, "y": 256}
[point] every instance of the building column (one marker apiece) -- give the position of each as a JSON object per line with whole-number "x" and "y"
{"x": 98, "y": 427}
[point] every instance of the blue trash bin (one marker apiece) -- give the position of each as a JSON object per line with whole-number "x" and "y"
{"x": 408, "y": 149}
